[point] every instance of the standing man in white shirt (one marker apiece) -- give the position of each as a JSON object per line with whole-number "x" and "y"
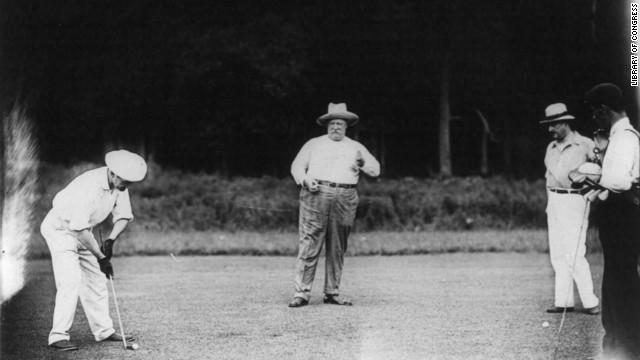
{"x": 80, "y": 266}
{"x": 619, "y": 225}
{"x": 567, "y": 212}
{"x": 328, "y": 167}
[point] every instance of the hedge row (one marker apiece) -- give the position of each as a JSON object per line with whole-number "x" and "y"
{"x": 173, "y": 200}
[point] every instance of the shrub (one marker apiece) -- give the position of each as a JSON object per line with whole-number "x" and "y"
{"x": 174, "y": 200}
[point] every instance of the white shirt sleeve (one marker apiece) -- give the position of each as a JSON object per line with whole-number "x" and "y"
{"x": 301, "y": 163}
{"x": 619, "y": 162}
{"x": 371, "y": 166}
{"x": 122, "y": 208}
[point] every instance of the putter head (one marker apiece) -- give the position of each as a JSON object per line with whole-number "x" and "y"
{"x": 132, "y": 346}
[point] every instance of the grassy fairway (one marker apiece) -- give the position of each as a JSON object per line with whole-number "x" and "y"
{"x": 447, "y": 306}
{"x": 367, "y": 243}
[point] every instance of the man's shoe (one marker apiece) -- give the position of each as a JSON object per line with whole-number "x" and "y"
{"x": 298, "y": 302}
{"x": 335, "y": 300}
{"x": 117, "y": 337}
{"x": 593, "y": 310}
{"x": 64, "y": 345}
{"x": 559, "y": 310}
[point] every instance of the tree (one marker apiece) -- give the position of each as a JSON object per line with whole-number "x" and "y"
{"x": 445, "y": 119}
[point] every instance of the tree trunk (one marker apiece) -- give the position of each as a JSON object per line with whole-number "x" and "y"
{"x": 484, "y": 162}
{"x": 594, "y": 8}
{"x": 484, "y": 155}
{"x": 445, "y": 118}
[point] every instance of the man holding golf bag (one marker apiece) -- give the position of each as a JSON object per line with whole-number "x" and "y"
{"x": 81, "y": 266}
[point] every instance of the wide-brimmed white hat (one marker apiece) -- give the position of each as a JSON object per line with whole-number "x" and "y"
{"x": 338, "y": 111}
{"x": 556, "y": 112}
{"x": 127, "y": 165}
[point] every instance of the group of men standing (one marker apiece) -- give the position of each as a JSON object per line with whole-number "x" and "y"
{"x": 604, "y": 171}
{"x": 328, "y": 167}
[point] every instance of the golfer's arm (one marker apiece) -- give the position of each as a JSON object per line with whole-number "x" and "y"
{"x": 86, "y": 238}
{"x": 118, "y": 228}
{"x": 371, "y": 166}
{"x": 300, "y": 164}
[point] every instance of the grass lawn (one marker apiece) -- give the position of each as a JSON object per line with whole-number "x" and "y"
{"x": 439, "y": 306}
{"x": 367, "y": 243}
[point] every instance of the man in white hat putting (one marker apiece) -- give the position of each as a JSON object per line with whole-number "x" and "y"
{"x": 567, "y": 212}
{"x": 80, "y": 266}
{"x": 328, "y": 167}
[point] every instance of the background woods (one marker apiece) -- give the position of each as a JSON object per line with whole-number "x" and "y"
{"x": 234, "y": 87}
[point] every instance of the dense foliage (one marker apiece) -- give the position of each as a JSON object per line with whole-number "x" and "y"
{"x": 234, "y": 87}
{"x": 175, "y": 200}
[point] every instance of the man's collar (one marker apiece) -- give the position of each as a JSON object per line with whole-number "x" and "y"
{"x": 105, "y": 179}
{"x": 570, "y": 139}
{"x": 622, "y": 123}
{"x": 344, "y": 138}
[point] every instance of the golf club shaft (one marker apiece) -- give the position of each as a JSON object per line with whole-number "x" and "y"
{"x": 115, "y": 300}
{"x": 594, "y": 184}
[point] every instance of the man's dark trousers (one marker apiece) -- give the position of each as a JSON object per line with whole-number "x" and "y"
{"x": 620, "y": 238}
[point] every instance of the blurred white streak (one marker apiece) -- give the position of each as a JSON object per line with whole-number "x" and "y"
{"x": 20, "y": 172}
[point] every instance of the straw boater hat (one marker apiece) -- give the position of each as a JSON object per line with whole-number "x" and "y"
{"x": 556, "y": 112}
{"x": 338, "y": 111}
{"x": 127, "y": 165}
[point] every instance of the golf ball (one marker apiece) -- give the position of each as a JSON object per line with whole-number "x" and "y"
{"x": 545, "y": 324}
{"x": 134, "y": 346}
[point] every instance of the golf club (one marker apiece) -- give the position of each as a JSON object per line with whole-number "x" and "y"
{"x": 133, "y": 346}
{"x": 632, "y": 195}
{"x": 573, "y": 267}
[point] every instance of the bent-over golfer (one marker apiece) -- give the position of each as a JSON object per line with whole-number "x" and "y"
{"x": 328, "y": 167}
{"x": 80, "y": 266}
{"x": 567, "y": 212}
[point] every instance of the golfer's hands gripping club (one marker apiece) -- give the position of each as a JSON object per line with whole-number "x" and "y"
{"x": 592, "y": 195}
{"x": 106, "y": 267}
{"x": 107, "y": 248}
{"x": 311, "y": 184}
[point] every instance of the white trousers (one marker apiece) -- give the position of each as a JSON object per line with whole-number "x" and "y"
{"x": 77, "y": 274}
{"x": 568, "y": 221}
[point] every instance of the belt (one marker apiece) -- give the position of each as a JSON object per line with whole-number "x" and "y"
{"x": 332, "y": 184}
{"x": 567, "y": 191}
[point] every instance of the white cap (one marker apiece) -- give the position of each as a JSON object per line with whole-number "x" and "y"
{"x": 127, "y": 165}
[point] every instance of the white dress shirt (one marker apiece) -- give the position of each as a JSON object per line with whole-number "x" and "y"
{"x": 324, "y": 159}
{"x": 87, "y": 201}
{"x": 566, "y": 156}
{"x": 620, "y": 166}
